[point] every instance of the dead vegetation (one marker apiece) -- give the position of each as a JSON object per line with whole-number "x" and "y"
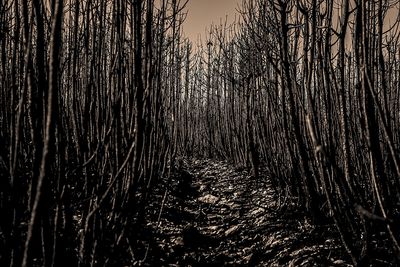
{"x": 231, "y": 219}
{"x": 101, "y": 100}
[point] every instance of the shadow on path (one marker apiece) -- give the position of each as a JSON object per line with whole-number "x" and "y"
{"x": 214, "y": 215}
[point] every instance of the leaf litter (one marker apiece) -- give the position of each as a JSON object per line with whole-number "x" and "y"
{"x": 227, "y": 218}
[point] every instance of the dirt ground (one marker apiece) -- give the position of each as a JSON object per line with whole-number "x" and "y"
{"x": 215, "y": 215}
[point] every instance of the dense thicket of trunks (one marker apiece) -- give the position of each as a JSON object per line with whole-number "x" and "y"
{"x": 310, "y": 90}
{"x": 99, "y": 98}
{"x": 87, "y": 97}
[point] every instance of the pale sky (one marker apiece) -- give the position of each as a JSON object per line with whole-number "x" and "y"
{"x": 202, "y": 13}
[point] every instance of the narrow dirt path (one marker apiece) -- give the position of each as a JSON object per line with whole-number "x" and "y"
{"x": 215, "y": 215}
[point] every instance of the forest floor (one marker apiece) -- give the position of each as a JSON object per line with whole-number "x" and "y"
{"x": 215, "y": 215}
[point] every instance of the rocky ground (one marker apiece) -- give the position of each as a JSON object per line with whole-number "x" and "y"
{"x": 215, "y": 215}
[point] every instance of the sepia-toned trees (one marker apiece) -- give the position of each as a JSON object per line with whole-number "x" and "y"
{"x": 84, "y": 124}
{"x": 100, "y": 99}
{"x": 309, "y": 90}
